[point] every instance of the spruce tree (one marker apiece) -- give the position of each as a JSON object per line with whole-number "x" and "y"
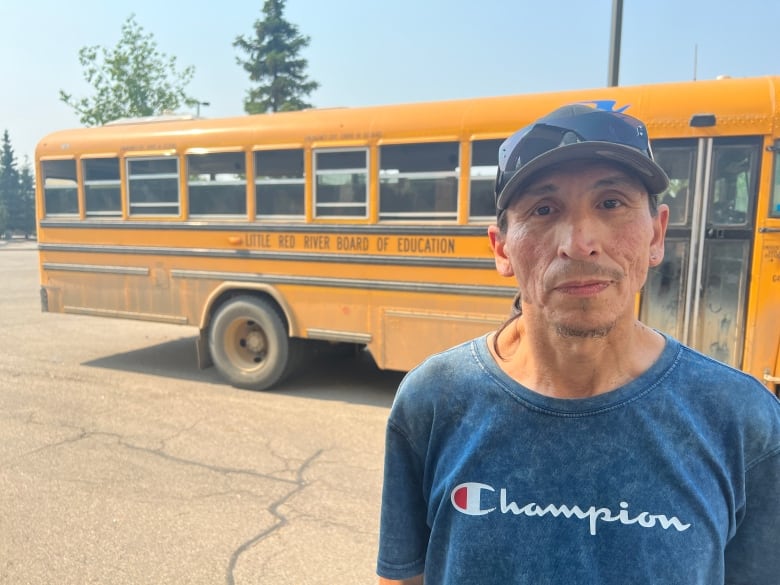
{"x": 27, "y": 197}
{"x": 274, "y": 63}
{"x": 9, "y": 187}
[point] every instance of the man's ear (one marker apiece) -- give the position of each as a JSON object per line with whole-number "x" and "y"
{"x": 660, "y": 223}
{"x": 498, "y": 245}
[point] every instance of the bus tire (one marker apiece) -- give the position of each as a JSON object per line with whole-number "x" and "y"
{"x": 249, "y": 344}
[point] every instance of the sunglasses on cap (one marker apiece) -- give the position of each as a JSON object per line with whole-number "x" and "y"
{"x": 575, "y": 132}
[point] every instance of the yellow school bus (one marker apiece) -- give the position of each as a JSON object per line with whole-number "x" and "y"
{"x": 367, "y": 226}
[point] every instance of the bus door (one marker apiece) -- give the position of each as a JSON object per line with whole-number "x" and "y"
{"x": 699, "y": 293}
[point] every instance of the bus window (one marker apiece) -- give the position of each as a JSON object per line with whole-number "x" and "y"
{"x": 216, "y": 184}
{"x": 484, "y": 166}
{"x": 418, "y": 181}
{"x": 153, "y": 186}
{"x": 663, "y": 297}
{"x": 102, "y": 193}
{"x": 678, "y": 159}
{"x": 722, "y": 300}
{"x": 733, "y": 183}
{"x": 60, "y": 191}
{"x": 341, "y": 186}
{"x": 775, "y": 211}
{"x": 279, "y": 183}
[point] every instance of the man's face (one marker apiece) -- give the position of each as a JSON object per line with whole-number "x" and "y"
{"x": 579, "y": 241}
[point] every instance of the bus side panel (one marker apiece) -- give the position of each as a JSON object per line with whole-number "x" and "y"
{"x": 118, "y": 286}
{"x": 399, "y": 329}
{"x": 409, "y": 336}
{"x": 762, "y": 353}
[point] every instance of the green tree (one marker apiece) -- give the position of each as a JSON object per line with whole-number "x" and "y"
{"x": 27, "y": 196}
{"x": 274, "y": 64}
{"x": 9, "y": 186}
{"x": 3, "y": 220}
{"x": 133, "y": 79}
{"x": 17, "y": 192}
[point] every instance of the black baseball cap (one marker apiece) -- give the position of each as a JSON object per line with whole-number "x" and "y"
{"x": 576, "y": 132}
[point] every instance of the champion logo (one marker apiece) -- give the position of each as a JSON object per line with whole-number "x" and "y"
{"x": 474, "y": 499}
{"x": 467, "y": 499}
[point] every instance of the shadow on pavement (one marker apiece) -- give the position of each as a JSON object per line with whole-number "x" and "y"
{"x": 352, "y": 378}
{"x": 349, "y": 378}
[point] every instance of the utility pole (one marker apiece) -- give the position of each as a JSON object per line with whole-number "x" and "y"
{"x": 614, "y": 46}
{"x": 198, "y": 105}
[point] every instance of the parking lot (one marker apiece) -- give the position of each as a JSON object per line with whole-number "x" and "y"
{"x": 121, "y": 462}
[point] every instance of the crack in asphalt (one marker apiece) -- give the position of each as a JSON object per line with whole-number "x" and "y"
{"x": 298, "y": 484}
{"x": 281, "y": 519}
{"x": 208, "y": 466}
{"x": 81, "y": 434}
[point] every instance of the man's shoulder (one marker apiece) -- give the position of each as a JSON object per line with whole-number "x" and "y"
{"x": 451, "y": 365}
{"x": 443, "y": 374}
{"x": 726, "y": 392}
{"x": 705, "y": 371}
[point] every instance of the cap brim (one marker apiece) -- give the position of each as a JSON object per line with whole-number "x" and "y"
{"x": 648, "y": 171}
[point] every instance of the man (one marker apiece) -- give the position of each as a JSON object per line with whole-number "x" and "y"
{"x": 575, "y": 445}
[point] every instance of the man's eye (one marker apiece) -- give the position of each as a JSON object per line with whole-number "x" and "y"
{"x": 543, "y": 210}
{"x": 612, "y": 203}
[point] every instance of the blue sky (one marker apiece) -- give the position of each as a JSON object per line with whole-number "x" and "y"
{"x": 367, "y": 52}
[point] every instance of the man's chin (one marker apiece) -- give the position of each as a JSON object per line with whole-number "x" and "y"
{"x": 583, "y": 331}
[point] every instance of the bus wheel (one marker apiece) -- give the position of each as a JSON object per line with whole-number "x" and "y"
{"x": 249, "y": 344}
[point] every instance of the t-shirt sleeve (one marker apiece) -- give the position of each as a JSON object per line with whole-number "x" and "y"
{"x": 751, "y": 555}
{"x": 403, "y": 533}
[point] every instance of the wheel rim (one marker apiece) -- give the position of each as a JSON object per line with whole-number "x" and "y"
{"x": 246, "y": 344}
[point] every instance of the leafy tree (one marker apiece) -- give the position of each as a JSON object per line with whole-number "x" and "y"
{"x": 9, "y": 186}
{"x": 134, "y": 79}
{"x": 274, "y": 64}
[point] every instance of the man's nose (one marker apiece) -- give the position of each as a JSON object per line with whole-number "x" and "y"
{"x": 578, "y": 237}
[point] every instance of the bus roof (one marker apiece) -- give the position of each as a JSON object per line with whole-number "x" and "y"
{"x": 741, "y": 106}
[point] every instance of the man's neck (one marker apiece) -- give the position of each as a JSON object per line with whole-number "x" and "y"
{"x": 577, "y": 367}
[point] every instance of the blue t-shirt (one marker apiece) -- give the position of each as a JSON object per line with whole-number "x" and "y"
{"x": 673, "y": 478}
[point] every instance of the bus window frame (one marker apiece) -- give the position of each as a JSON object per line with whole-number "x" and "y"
{"x": 489, "y": 178}
{"x": 129, "y": 177}
{"x": 217, "y": 183}
{"x": 317, "y": 173}
{"x": 261, "y": 182}
{"x": 774, "y": 199}
{"x": 415, "y": 176}
{"x": 87, "y": 183}
{"x": 720, "y": 146}
{"x": 75, "y": 187}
